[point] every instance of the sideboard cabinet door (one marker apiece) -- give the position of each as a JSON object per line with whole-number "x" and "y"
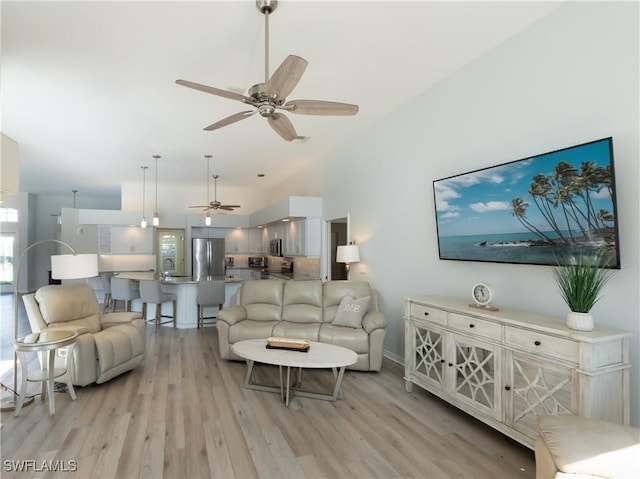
{"x": 535, "y": 387}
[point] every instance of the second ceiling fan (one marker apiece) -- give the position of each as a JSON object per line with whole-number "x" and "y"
{"x": 269, "y": 97}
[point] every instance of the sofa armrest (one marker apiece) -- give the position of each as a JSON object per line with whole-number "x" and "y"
{"x": 373, "y": 320}
{"x": 114, "y": 319}
{"x": 232, "y": 314}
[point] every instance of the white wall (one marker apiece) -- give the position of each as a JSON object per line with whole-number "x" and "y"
{"x": 571, "y": 78}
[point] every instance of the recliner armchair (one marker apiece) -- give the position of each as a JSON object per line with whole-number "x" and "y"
{"x": 108, "y": 345}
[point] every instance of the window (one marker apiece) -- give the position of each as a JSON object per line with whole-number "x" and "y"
{"x": 8, "y": 215}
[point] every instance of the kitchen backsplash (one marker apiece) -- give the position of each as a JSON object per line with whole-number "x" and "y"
{"x": 304, "y": 268}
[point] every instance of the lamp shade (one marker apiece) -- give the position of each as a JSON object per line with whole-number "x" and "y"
{"x": 74, "y": 266}
{"x": 348, "y": 254}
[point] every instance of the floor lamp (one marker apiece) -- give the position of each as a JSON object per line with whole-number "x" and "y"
{"x": 63, "y": 266}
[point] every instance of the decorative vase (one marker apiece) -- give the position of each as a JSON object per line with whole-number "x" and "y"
{"x": 579, "y": 321}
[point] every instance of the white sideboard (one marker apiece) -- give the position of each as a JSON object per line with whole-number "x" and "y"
{"x": 506, "y": 367}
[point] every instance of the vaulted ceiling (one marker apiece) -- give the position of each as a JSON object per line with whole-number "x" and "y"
{"x": 88, "y": 88}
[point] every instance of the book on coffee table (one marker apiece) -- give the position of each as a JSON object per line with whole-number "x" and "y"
{"x": 288, "y": 343}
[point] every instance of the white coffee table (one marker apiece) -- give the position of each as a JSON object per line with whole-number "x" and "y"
{"x": 319, "y": 356}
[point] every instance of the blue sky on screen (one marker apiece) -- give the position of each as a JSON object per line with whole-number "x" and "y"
{"x": 480, "y": 202}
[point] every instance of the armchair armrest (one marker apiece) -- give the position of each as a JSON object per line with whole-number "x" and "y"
{"x": 232, "y": 314}
{"x": 373, "y": 320}
{"x": 114, "y": 319}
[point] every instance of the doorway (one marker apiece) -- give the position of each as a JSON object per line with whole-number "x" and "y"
{"x": 338, "y": 236}
{"x": 7, "y": 245}
{"x": 170, "y": 251}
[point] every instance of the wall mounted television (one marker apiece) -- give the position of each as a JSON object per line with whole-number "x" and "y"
{"x": 533, "y": 210}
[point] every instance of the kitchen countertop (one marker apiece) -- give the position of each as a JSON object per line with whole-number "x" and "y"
{"x": 148, "y": 276}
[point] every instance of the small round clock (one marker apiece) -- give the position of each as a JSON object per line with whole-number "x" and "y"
{"x": 482, "y": 294}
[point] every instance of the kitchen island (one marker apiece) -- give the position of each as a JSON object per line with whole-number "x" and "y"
{"x": 185, "y": 288}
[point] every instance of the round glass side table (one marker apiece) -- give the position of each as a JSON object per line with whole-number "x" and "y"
{"x": 45, "y": 341}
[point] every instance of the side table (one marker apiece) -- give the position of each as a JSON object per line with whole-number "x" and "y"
{"x": 47, "y": 340}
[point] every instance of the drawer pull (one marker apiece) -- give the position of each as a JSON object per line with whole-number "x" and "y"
{"x": 426, "y": 313}
{"x": 450, "y": 364}
{"x": 442, "y": 360}
{"x": 537, "y": 343}
{"x": 472, "y": 325}
{"x": 507, "y": 388}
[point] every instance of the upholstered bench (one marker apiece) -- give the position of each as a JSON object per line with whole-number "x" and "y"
{"x": 574, "y": 447}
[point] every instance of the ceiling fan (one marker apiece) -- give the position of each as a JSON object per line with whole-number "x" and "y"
{"x": 215, "y": 204}
{"x": 269, "y": 97}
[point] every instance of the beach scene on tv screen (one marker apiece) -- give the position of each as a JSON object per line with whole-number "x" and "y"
{"x": 531, "y": 211}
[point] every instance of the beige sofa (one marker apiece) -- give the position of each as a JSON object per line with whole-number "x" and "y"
{"x": 108, "y": 345}
{"x": 574, "y": 447}
{"x": 304, "y": 310}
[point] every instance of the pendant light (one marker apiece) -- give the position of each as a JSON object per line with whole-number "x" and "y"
{"x": 143, "y": 221}
{"x": 156, "y": 218}
{"x": 207, "y": 218}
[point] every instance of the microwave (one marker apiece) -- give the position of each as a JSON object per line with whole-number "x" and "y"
{"x": 257, "y": 262}
{"x": 275, "y": 247}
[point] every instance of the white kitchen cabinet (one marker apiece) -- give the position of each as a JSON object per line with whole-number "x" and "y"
{"x": 302, "y": 238}
{"x": 127, "y": 239}
{"x": 256, "y": 243}
{"x": 507, "y": 367}
{"x": 236, "y": 241}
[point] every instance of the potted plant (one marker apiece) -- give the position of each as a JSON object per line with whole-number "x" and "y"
{"x": 581, "y": 275}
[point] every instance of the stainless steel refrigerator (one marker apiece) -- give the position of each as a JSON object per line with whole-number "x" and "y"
{"x": 208, "y": 258}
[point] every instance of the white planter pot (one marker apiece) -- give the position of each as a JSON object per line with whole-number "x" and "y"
{"x": 580, "y": 321}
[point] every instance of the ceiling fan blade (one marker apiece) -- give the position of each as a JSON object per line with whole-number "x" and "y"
{"x": 230, "y": 206}
{"x": 230, "y": 119}
{"x": 320, "y": 107}
{"x": 283, "y": 126}
{"x": 215, "y": 91}
{"x": 287, "y": 76}
{"x": 226, "y": 208}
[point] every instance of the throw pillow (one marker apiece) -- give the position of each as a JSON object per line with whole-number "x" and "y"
{"x": 351, "y": 311}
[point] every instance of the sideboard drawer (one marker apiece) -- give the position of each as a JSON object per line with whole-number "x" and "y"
{"x": 475, "y": 326}
{"x": 542, "y": 344}
{"x": 419, "y": 311}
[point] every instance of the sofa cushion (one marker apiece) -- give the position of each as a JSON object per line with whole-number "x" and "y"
{"x": 90, "y": 324}
{"x": 60, "y": 303}
{"x": 262, "y": 299}
{"x": 302, "y": 301}
{"x": 334, "y": 291}
{"x": 587, "y": 446}
{"x": 351, "y": 311}
{"x": 287, "y": 329}
{"x": 250, "y": 329}
{"x": 356, "y": 340}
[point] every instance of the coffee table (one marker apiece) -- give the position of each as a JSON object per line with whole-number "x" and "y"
{"x": 319, "y": 356}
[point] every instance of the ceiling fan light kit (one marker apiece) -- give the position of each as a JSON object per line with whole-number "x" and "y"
{"x": 269, "y": 97}
{"x": 215, "y": 204}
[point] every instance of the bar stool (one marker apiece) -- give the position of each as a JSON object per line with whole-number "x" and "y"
{"x": 151, "y": 292}
{"x": 106, "y": 287}
{"x": 123, "y": 289}
{"x": 209, "y": 293}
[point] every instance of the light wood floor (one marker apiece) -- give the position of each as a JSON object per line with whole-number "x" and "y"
{"x": 185, "y": 414}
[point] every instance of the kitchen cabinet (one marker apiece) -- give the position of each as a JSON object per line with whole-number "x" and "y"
{"x": 125, "y": 239}
{"x": 302, "y": 238}
{"x": 257, "y": 242}
{"x": 236, "y": 241}
{"x": 507, "y": 367}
